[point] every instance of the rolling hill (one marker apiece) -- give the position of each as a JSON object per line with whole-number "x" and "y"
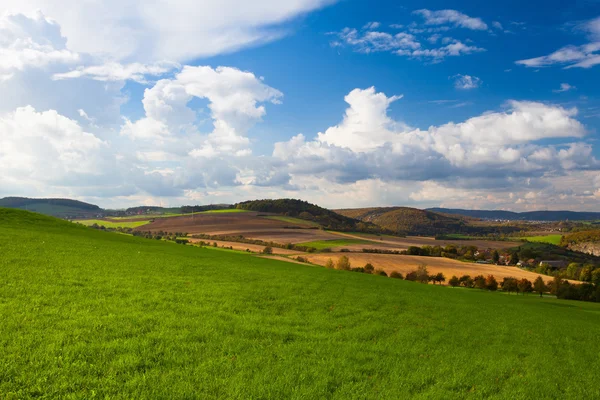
{"x": 406, "y": 220}
{"x": 87, "y": 313}
{"x": 523, "y": 216}
{"x": 63, "y": 208}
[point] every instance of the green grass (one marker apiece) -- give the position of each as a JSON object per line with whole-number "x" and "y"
{"x": 552, "y": 239}
{"x": 324, "y": 244}
{"x": 224, "y": 211}
{"x": 292, "y": 220}
{"x": 113, "y": 224}
{"x": 87, "y": 313}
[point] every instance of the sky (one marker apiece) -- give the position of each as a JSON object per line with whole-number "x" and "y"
{"x": 355, "y": 103}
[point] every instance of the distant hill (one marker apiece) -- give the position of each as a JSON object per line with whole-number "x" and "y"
{"x": 585, "y": 242}
{"x": 406, "y": 220}
{"x": 311, "y": 212}
{"x": 523, "y": 216}
{"x": 63, "y": 208}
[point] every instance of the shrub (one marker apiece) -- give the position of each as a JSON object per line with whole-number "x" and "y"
{"x": 357, "y": 269}
{"x": 411, "y": 276}
{"x": 396, "y": 275}
{"x": 329, "y": 264}
{"x": 344, "y": 251}
{"x": 301, "y": 259}
{"x": 380, "y": 272}
{"x": 369, "y": 268}
{"x": 343, "y": 263}
{"x": 454, "y": 281}
{"x": 268, "y": 250}
{"x": 491, "y": 283}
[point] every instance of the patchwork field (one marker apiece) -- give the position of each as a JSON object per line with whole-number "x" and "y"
{"x": 87, "y": 314}
{"x": 109, "y": 223}
{"x": 552, "y": 239}
{"x": 405, "y": 264}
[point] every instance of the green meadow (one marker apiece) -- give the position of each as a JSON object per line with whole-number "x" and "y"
{"x": 113, "y": 223}
{"x": 552, "y": 239}
{"x": 324, "y": 244}
{"x": 92, "y": 314}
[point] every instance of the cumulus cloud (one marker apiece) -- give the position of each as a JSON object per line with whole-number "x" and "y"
{"x": 466, "y": 82}
{"x": 451, "y": 17}
{"x": 31, "y": 42}
{"x": 127, "y": 30}
{"x": 112, "y": 71}
{"x": 368, "y": 144}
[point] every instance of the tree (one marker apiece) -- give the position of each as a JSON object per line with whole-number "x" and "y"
{"x": 343, "y": 263}
{"x": 369, "y": 268}
{"x": 596, "y": 277}
{"x": 454, "y": 281}
{"x": 479, "y": 282}
{"x": 495, "y": 257}
{"x": 491, "y": 283}
{"x": 396, "y": 275}
{"x": 422, "y": 273}
{"x": 268, "y": 250}
{"x": 556, "y": 284}
{"x": 466, "y": 281}
{"x": 329, "y": 264}
{"x": 539, "y": 285}
{"x": 573, "y": 270}
{"x": 514, "y": 258}
{"x": 439, "y": 278}
{"x": 586, "y": 274}
{"x": 509, "y": 284}
{"x": 525, "y": 286}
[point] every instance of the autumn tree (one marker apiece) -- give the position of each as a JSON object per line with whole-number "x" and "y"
{"x": 479, "y": 282}
{"x": 454, "y": 281}
{"x": 539, "y": 285}
{"x": 509, "y": 284}
{"x": 369, "y": 268}
{"x": 525, "y": 286}
{"x": 466, "y": 281}
{"x": 343, "y": 263}
{"x": 495, "y": 257}
{"x": 491, "y": 283}
{"x": 422, "y": 273}
{"x": 329, "y": 264}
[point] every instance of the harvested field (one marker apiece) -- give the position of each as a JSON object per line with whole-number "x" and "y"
{"x": 243, "y": 246}
{"x": 405, "y": 264}
{"x": 251, "y": 225}
{"x": 405, "y": 242}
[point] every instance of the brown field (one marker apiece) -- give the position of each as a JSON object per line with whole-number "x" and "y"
{"x": 405, "y": 264}
{"x": 255, "y": 248}
{"x": 251, "y": 225}
{"x": 405, "y": 242}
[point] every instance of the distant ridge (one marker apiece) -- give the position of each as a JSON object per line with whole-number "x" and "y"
{"x": 62, "y": 208}
{"x": 521, "y": 216}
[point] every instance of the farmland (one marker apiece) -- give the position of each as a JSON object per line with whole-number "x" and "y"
{"x": 552, "y": 239}
{"x": 127, "y": 317}
{"x": 117, "y": 223}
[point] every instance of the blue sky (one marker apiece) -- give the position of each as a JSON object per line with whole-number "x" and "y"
{"x": 346, "y": 104}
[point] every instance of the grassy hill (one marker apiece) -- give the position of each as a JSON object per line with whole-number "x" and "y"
{"x": 62, "y": 208}
{"x": 87, "y": 313}
{"x": 310, "y": 212}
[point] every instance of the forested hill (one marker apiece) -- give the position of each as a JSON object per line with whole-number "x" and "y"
{"x": 406, "y": 220}
{"x": 305, "y": 210}
{"x": 55, "y": 207}
{"x": 523, "y": 216}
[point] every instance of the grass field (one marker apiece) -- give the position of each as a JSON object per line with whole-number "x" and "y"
{"x": 325, "y": 244}
{"x": 552, "y": 239}
{"x": 113, "y": 224}
{"x": 292, "y": 220}
{"x": 87, "y": 313}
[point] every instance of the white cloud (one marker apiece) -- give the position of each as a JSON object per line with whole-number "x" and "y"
{"x": 466, "y": 82}
{"x": 497, "y": 25}
{"x": 31, "y": 42}
{"x": 372, "y": 25}
{"x": 564, "y": 87}
{"x": 175, "y": 30}
{"x": 113, "y": 71}
{"x": 583, "y": 56}
{"x": 452, "y": 17}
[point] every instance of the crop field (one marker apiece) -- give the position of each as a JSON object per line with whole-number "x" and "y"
{"x": 292, "y": 220}
{"x": 250, "y": 224}
{"x": 87, "y": 313}
{"x": 325, "y": 244}
{"x": 552, "y": 239}
{"x": 113, "y": 223}
{"x": 243, "y": 246}
{"x": 405, "y": 264}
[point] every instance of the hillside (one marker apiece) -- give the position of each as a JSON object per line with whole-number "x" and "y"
{"x": 64, "y": 208}
{"x": 406, "y": 220}
{"x": 87, "y": 313}
{"x": 586, "y": 241}
{"x": 310, "y": 212}
{"x": 523, "y": 216}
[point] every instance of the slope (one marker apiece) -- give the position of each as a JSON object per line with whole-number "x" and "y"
{"x": 89, "y": 314}
{"x": 54, "y": 207}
